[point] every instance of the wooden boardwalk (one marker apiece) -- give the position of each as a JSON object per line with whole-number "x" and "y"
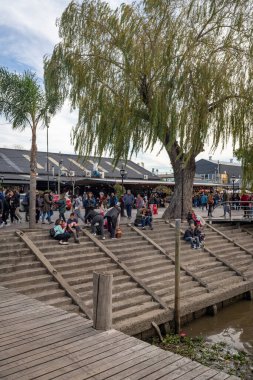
{"x": 43, "y": 342}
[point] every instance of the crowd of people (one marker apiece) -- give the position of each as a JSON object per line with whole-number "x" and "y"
{"x": 229, "y": 201}
{"x": 100, "y": 213}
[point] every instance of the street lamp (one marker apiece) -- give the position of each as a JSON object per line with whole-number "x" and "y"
{"x": 233, "y": 180}
{"x": 47, "y": 160}
{"x": 59, "y": 176}
{"x": 123, "y": 173}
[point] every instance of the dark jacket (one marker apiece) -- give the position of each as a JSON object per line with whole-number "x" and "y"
{"x": 113, "y": 212}
{"x": 91, "y": 214}
{"x": 189, "y": 233}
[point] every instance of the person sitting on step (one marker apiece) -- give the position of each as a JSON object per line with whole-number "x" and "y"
{"x": 60, "y": 233}
{"x": 73, "y": 227}
{"x": 146, "y": 218}
{"x": 190, "y": 236}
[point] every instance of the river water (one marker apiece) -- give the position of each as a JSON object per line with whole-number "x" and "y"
{"x": 232, "y": 325}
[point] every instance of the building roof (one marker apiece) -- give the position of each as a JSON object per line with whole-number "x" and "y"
{"x": 16, "y": 161}
{"x": 205, "y": 166}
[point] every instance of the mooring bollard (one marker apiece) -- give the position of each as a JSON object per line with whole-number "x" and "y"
{"x": 102, "y": 301}
{"x": 177, "y": 276}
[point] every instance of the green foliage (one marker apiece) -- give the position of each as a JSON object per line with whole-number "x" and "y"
{"x": 22, "y": 101}
{"x": 245, "y": 154}
{"x": 215, "y": 355}
{"x": 118, "y": 190}
{"x": 155, "y": 71}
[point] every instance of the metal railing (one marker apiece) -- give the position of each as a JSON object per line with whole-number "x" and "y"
{"x": 236, "y": 209}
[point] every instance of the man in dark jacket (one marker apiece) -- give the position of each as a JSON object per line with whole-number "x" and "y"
{"x": 191, "y": 236}
{"x": 96, "y": 220}
{"x": 112, "y": 215}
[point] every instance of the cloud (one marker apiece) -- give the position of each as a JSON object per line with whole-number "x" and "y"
{"x": 28, "y": 32}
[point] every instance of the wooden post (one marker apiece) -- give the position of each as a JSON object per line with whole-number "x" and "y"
{"x": 177, "y": 276}
{"x": 102, "y": 301}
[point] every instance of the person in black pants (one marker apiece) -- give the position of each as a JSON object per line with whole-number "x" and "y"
{"x": 112, "y": 215}
{"x": 96, "y": 220}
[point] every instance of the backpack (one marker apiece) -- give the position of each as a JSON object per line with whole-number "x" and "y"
{"x": 52, "y": 232}
{"x": 210, "y": 200}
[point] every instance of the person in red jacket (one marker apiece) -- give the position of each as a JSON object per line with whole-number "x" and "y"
{"x": 245, "y": 198}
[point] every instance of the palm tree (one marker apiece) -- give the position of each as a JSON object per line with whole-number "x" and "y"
{"x": 24, "y": 104}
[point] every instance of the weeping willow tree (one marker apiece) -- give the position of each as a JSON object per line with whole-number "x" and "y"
{"x": 245, "y": 154}
{"x": 178, "y": 73}
{"x": 24, "y": 104}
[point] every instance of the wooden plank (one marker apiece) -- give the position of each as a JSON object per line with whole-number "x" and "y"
{"x": 174, "y": 370}
{"x": 192, "y": 374}
{"x": 207, "y": 375}
{"x": 220, "y": 376}
{"x": 130, "y": 273}
{"x": 29, "y": 356}
{"x": 87, "y": 369}
{"x": 37, "y": 334}
{"x": 57, "y": 276}
{"x": 91, "y": 343}
{"x": 75, "y": 361}
{"x": 143, "y": 372}
{"x": 38, "y": 343}
{"x": 146, "y": 359}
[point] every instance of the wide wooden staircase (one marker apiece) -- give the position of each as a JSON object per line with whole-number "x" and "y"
{"x": 142, "y": 264}
{"x": 76, "y": 263}
{"x": 204, "y": 263}
{"x": 20, "y": 270}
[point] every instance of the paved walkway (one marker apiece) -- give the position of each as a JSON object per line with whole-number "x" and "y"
{"x": 43, "y": 342}
{"x": 217, "y": 216}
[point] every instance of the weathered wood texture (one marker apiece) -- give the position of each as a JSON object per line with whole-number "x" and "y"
{"x": 102, "y": 301}
{"x": 43, "y": 342}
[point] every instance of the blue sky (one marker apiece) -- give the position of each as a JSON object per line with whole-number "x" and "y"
{"x": 27, "y": 33}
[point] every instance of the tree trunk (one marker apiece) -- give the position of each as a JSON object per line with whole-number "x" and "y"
{"x": 33, "y": 180}
{"x": 181, "y": 201}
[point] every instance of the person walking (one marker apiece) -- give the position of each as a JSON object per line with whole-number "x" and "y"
{"x": 210, "y": 202}
{"x": 16, "y": 203}
{"x": 139, "y": 202}
{"x": 61, "y": 207}
{"x": 48, "y": 202}
{"x": 89, "y": 204}
{"x": 128, "y": 203}
{"x": 78, "y": 203}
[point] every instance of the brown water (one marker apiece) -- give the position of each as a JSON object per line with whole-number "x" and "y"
{"x": 232, "y": 325}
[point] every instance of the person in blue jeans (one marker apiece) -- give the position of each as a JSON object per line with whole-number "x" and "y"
{"x": 146, "y": 218}
{"x": 128, "y": 200}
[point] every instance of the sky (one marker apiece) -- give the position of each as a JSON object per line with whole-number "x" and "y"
{"x": 28, "y": 32}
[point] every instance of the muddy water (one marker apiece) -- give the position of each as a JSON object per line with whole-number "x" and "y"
{"x": 233, "y": 325}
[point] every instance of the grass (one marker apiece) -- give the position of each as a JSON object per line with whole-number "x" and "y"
{"x": 214, "y": 355}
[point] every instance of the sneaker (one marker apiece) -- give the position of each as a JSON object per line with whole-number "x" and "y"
{"x": 103, "y": 238}
{"x": 94, "y": 234}
{"x": 77, "y": 241}
{"x": 113, "y": 238}
{"x": 61, "y": 242}
{"x": 1, "y": 225}
{"x": 151, "y": 227}
{"x": 65, "y": 243}
{"x": 143, "y": 228}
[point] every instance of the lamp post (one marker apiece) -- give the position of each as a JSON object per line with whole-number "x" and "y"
{"x": 123, "y": 174}
{"x": 59, "y": 176}
{"x": 233, "y": 180}
{"x": 47, "y": 160}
